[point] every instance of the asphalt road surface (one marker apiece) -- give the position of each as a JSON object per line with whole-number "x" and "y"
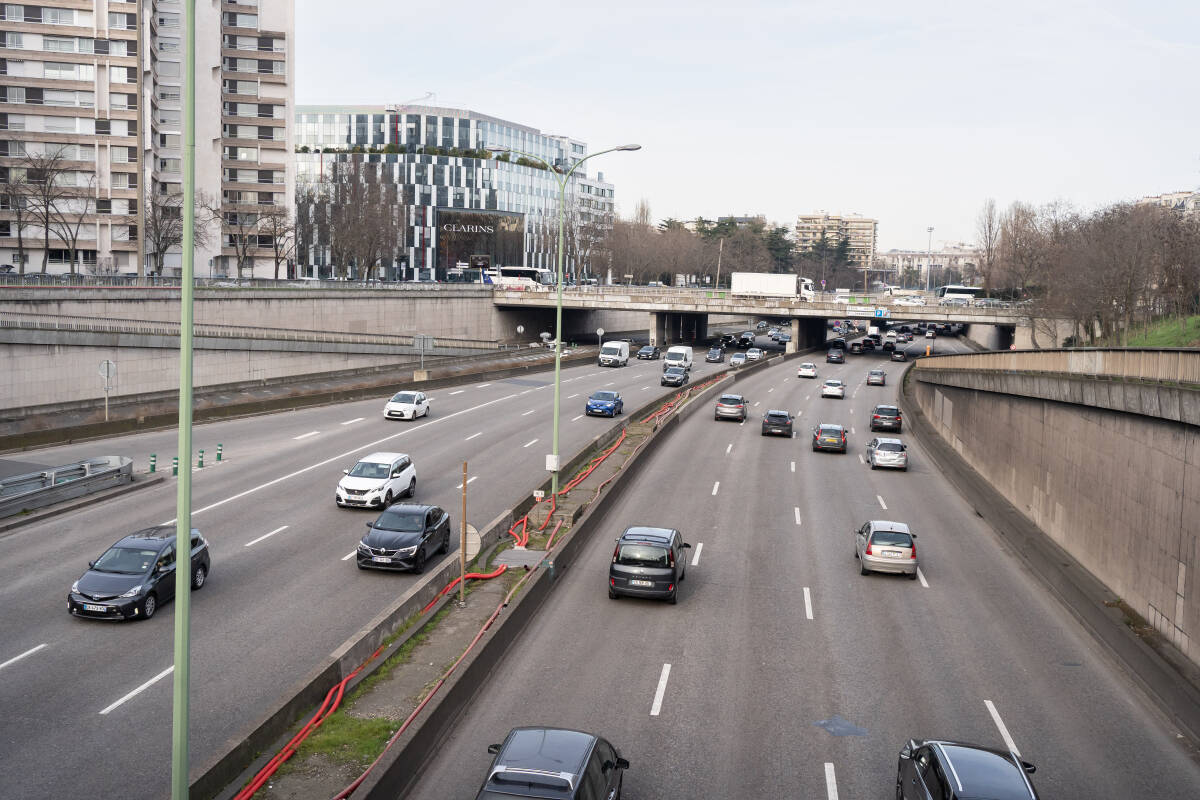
{"x": 784, "y": 673}
{"x": 85, "y": 705}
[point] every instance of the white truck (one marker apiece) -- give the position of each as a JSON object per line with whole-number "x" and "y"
{"x": 678, "y": 356}
{"x": 766, "y": 284}
{"x": 614, "y": 354}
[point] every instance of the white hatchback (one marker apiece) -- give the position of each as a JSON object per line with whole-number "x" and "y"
{"x": 833, "y": 388}
{"x": 807, "y": 370}
{"x": 407, "y": 405}
{"x": 377, "y": 480}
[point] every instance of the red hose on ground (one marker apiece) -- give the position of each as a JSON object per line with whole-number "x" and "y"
{"x": 474, "y": 575}
{"x": 553, "y": 533}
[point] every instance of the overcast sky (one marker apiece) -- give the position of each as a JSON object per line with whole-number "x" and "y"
{"x": 909, "y": 112}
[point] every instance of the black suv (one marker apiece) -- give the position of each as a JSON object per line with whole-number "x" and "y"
{"x": 886, "y": 418}
{"x": 554, "y": 764}
{"x": 648, "y": 562}
{"x": 956, "y": 770}
{"x": 404, "y": 536}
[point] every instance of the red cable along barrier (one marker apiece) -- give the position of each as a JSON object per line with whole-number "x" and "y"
{"x": 470, "y": 575}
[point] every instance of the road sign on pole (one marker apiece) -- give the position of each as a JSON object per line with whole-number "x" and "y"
{"x": 423, "y": 343}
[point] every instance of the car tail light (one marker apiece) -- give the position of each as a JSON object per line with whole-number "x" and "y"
{"x": 670, "y": 587}
{"x": 739, "y": 405}
{"x": 670, "y": 559}
{"x": 616, "y": 550}
{"x": 876, "y": 416}
{"x": 914, "y": 550}
{"x": 869, "y": 549}
{"x": 612, "y": 581}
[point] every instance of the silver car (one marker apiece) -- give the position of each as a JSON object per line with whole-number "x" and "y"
{"x": 885, "y": 451}
{"x": 754, "y": 354}
{"x": 876, "y": 377}
{"x": 833, "y": 388}
{"x": 883, "y": 546}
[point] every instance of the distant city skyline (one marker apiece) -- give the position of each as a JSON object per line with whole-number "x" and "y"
{"x": 911, "y": 114}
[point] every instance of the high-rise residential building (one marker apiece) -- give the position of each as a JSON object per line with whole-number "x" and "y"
{"x": 91, "y": 134}
{"x": 460, "y": 203}
{"x": 860, "y": 231}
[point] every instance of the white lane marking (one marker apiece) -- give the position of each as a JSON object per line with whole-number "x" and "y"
{"x": 728, "y": 447}
{"x": 861, "y": 460}
{"x": 742, "y": 422}
{"x": 483, "y": 386}
{"x": 366, "y": 447}
{"x": 349, "y": 555}
{"x": 1003, "y": 730}
{"x": 756, "y": 404}
{"x": 830, "y": 782}
{"x": 695, "y": 558}
{"x": 460, "y": 391}
{"x": 576, "y": 419}
{"x": 33, "y": 650}
{"x": 610, "y": 383}
{"x": 793, "y": 466}
{"x": 807, "y": 603}
{"x": 141, "y": 688}
{"x": 808, "y": 397}
{"x": 470, "y": 480}
{"x": 797, "y": 510}
{"x": 530, "y": 411}
{"x": 852, "y": 412}
{"x": 531, "y": 441}
{"x": 572, "y": 397}
{"x": 921, "y": 578}
{"x": 661, "y": 690}
{"x": 472, "y": 436}
{"x": 266, "y": 536}
{"x": 305, "y": 435}
{"x": 770, "y": 390}
{"x": 352, "y": 421}
{"x": 644, "y": 388}
{"x": 882, "y": 504}
{"x": 716, "y": 486}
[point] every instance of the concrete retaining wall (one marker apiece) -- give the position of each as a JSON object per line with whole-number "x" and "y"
{"x": 1120, "y": 492}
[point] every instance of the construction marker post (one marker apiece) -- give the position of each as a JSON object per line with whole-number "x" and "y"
{"x": 462, "y": 546}
{"x": 153, "y": 462}
{"x": 220, "y": 447}
{"x": 201, "y": 464}
{"x": 175, "y": 466}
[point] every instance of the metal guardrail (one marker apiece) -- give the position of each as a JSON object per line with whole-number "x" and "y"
{"x": 38, "y": 489}
{"x": 38, "y": 279}
{"x": 1177, "y": 366}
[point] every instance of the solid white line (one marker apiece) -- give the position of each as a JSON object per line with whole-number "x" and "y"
{"x": 368, "y": 447}
{"x": 830, "y": 782}
{"x": 861, "y": 460}
{"x": 695, "y": 559}
{"x": 882, "y": 504}
{"x": 572, "y": 397}
{"x": 259, "y": 539}
{"x": 728, "y": 447}
{"x": 460, "y": 391}
{"x": 575, "y": 419}
{"x": 716, "y": 486}
{"x": 662, "y": 688}
{"x": 141, "y": 688}
{"x": 352, "y": 421}
{"x": 31, "y": 651}
{"x": 530, "y": 411}
{"x": 472, "y": 436}
{"x": 770, "y": 390}
{"x": 349, "y": 556}
{"x": 921, "y": 578}
{"x": 797, "y": 510}
{"x": 807, "y": 603}
{"x": 483, "y": 386}
{"x": 1003, "y": 730}
{"x": 756, "y": 404}
{"x": 531, "y": 441}
{"x": 305, "y": 435}
{"x": 793, "y": 466}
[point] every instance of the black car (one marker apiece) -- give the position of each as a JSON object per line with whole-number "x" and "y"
{"x": 674, "y": 376}
{"x": 886, "y": 418}
{"x": 957, "y": 770}
{"x": 746, "y": 340}
{"x": 728, "y": 339}
{"x": 715, "y": 356}
{"x": 649, "y": 353}
{"x": 838, "y": 343}
{"x": 856, "y": 347}
{"x": 835, "y": 357}
{"x": 553, "y": 764}
{"x": 868, "y": 343}
{"x": 648, "y": 562}
{"x": 777, "y": 422}
{"x": 136, "y": 575}
{"x": 404, "y": 536}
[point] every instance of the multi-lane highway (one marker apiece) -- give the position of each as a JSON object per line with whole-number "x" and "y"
{"x": 85, "y": 706}
{"x": 783, "y": 672}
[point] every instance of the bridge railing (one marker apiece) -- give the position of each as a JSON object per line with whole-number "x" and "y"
{"x": 1174, "y": 366}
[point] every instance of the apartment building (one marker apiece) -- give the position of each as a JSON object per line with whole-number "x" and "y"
{"x": 860, "y": 231}
{"x": 1184, "y": 202}
{"x": 951, "y": 262}
{"x": 91, "y": 134}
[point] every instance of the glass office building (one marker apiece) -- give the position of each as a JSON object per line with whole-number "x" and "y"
{"x": 460, "y": 201}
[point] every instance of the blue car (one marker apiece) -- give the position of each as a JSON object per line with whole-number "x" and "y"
{"x": 605, "y": 403}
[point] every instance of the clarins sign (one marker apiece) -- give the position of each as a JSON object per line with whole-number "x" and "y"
{"x": 451, "y": 227}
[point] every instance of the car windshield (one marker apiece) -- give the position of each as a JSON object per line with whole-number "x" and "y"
{"x": 675, "y": 371}
{"x": 730, "y": 400}
{"x": 894, "y": 447}
{"x": 367, "y": 469}
{"x": 642, "y": 555}
{"x": 894, "y": 538}
{"x": 126, "y": 560}
{"x": 604, "y": 396}
{"x": 404, "y": 397}
{"x": 393, "y": 520}
{"x": 714, "y": 352}
{"x": 739, "y": 356}
{"x": 610, "y": 350}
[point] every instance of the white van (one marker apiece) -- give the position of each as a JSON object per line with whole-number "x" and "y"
{"x": 678, "y": 356}
{"x": 614, "y": 354}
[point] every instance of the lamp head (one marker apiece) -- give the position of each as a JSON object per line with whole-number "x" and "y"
{"x": 630, "y": 147}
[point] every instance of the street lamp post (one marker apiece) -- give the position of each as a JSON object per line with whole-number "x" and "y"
{"x": 929, "y": 258}
{"x": 563, "y": 179}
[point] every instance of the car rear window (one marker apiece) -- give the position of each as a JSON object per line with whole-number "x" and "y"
{"x": 642, "y": 555}
{"x": 730, "y": 400}
{"x": 777, "y": 417}
{"x": 894, "y": 538}
{"x": 830, "y": 431}
{"x": 892, "y": 447}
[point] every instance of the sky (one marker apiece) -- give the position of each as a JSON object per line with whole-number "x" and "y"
{"x": 913, "y": 113}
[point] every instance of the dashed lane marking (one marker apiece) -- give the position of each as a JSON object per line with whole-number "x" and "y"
{"x": 830, "y": 782}
{"x": 716, "y": 486}
{"x": 1008, "y": 740}
{"x": 305, "y": 435}
{"x": 807, "y": 603}
{"x": 43, "y": 645}
{"x": 695, "y": 557}
{"x": 661, "y": 690}
{"x": 797, "y": 510}
{"x": 531, "y": 441}
{"x": 530, "y": 411}
{"x": 265, "y": 536}
{"x": 352, "y": 421}
{"x": 473, "y": 435}
{"x": 460, "y": 391}
{"x": 882, "y": 504}
{"x": 140, "y": 689}
{"x": 921, "y": 578}
{"x": 728, "y": 447}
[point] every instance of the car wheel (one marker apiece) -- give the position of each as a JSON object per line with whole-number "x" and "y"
{"x": 387, "y": 499}
{"x": 904, "y": 469}
{"x": 412, "y": 488}
{"x": 148, "y": 607}
{"x": 445, "y": 548}
{"x": 912, "y": 576}
{"x": 716, "y": 417}
{"x": 862, "y": 568}
{"x": 419, "y": 562}
{"x": 199, "y": 576}
{"x": 426, "y": 414}
{"x": 674, "y": 598}
{"x": 611, "y": 594}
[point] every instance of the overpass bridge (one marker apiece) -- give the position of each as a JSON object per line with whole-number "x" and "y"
{"x": 675, "y": 314}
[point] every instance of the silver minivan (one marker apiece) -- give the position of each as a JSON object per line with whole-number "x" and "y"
{"x": 883, "y": 546}
{"x": 883, "y": 451}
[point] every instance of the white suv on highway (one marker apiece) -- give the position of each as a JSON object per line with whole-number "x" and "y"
{"x": 377, "y": 480}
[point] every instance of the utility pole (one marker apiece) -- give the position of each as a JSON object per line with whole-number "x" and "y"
{"x": 929, "y": 259}
{"x": 720, "y": 250}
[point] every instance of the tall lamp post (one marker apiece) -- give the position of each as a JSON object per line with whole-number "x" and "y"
{"x": 929, "y": 258}
{"x": 563, "y": 179}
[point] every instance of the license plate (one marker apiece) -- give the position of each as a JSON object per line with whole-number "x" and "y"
{"x": 98, "y": 609}
{"x": 381, "y": 559}
{"x": 636, "y": 582}
{"x": 831, "y": 441}
{"x": 892, "y": 553}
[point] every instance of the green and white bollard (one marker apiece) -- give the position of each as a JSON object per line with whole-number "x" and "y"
{"x": 219, "y": 448}
{"x": 153, "y": 462}
{"x": 200, "y": 465}
{"x": 175, "y": 466}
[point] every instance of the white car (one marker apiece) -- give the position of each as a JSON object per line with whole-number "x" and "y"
{"x": 909, "y": 301}
{"x": 833, "y": 388}
{"x": 754, "y": 354}
{"x": 737, "y": 359}
{"x": 407, "y": 405}
{"x": 931, "y": 334}
{"x": 377, "y": 480}
{"x": 807, "y": 370}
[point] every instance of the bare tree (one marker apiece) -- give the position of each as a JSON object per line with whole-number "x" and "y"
{"x": 162, "y": 224}
{"x": 47, "y": 191}
{"x": 987, "y": 233}
{"x": 282, "y": 231}
{"x": 17, "y": 197}
{"x": 69, "y": 215}
{"x": 305, "y": 225}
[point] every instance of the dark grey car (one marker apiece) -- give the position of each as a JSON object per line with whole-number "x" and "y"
{"x": 553, "y": 764}
{"x": 886, "y": 418}
{"x": 648, "y": 562}
{"x": 404, "y": 536}
{"x": 674, "y": 376}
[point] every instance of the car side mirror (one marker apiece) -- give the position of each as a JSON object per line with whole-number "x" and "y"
{"x": 685, "y": 544}
{"x": 494, "y": 749}
{"x": 1029, "y": 768}
{"x": 623, "y": 763}
{"x": 367, "y": 524}
{"x": 906, "y": 752}
{"x": 913, "y": 535}
{"x": 345, "y": 472}
{"x": 91, "y": 565}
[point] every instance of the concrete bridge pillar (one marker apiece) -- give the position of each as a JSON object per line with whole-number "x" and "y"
{"x": 811, "y": 333}
{"x": 794, "y": 329}
{"x": 658, "y": 329}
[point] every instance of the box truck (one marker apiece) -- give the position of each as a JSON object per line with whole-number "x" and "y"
{"x": 766, "y": 284}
